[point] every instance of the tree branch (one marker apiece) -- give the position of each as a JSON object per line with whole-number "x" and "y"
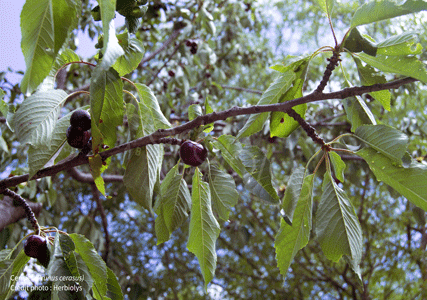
{"x": 10, "y": 213}
{"x": 87, "y": 177}
{"x": 159, "y": 136}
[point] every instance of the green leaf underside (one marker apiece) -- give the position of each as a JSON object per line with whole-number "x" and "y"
{"x": 111, "y": 49}
{"x": 151, "y": 102}
{"x": 230, "y": 149}
{"x": 107, "y": 108}
{"x": 45, "y": 26}
{"x": 223, "y": 192}
{"x": 338, "y": 164}
{"x": 290, "y": 239}
{"x": 401, "y": 64}
{"x": 271, "y": 96}
{"x": 402, "y": 44}
{"x": 337, "y": 226}
{"x": 194, "y": 111}
{"x": 292, "y": 193}
{"x": 387, "y": 140}
{"x": 409, "y": 181}
{"x": 6, "y": 267}
{"x": 36, "y": 118}
{"x": 141, "y": 174}
{"x": 204, "y": 228}
{"x": 326, "y": 6}
{"x": 257, "y": 179}
{"x": 174, "y": 206}
{"x": 374, "y": 11}
{"x": 94, "y": 263}
{"x": 133, "y": 54}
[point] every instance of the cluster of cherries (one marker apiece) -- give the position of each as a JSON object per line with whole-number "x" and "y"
{"x": 192, "y": 45}
{"x": 78, "y": 134}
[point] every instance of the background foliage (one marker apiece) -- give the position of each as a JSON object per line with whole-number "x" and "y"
{"x": 236, "y": 43}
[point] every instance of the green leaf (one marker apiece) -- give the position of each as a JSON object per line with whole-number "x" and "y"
{"x": 258, "y": 177}
{"x": 223, "y": 192}
{"x": 9, "y": 271}
{"x": 337, "y": 226}
{"x": 60, "y": 288}
{"x": 387, "y": 140}
{"x": 150, "y": 101}
{"x": 4, "y": 107}
{"x": 410, "y": 181}
{"x": 208, "y": 109}
{"x": 114, "y": 291}
{"x": 94, "y": 262}
{"x": 45, "y": 27}
{"x": 111, "y": 49}
{"x": 230, "y": 149}
{"x": 6, "y": 267}
{"x": 326, "y": 6}
{"x": 406, "y": 65}
{"x": 96, "y": 169}
{"x": 292, "y": 194}
{"x": 355, "y": 42}
{"x": 402, "y": 44}
{"x": 290, "y": 239}
{"x": 141, "y": 173}
{"x": 35, "y": 119}
{"x": 368, "y": 76}
{"x": 174, "y": 205}
{"x": 204, "y": 228}
{"x": 272, "y": 95}
{"x": 194, "y": 111}
{"x": 281, "y": 124}
{"x": 106, "y": 107}
{"x": 374, "y": 11}
{"x": 338, "y": 164}
{"x": 358, "y": 113}
{"x": 133, "y": 53}
{"x": 67, "y": 247}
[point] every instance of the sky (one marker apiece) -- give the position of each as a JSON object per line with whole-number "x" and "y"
{"x": 10, "y": 39}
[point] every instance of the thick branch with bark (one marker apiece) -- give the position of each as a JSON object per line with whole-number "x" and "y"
{"x": 10, "y": 213}
{"x": 159, "y": 136}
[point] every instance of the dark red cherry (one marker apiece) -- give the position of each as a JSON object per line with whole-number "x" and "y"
{"x": 36, "y": 246}
{"x": 77, "y": 138}
{"x": 192, "y": 153}
{"x": 80, "y": 119}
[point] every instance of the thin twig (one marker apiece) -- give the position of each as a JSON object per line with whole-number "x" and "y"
{"x": 173, "y": 37}
{"x": 227, "y": 87}
{"x": 203, "y": 120}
